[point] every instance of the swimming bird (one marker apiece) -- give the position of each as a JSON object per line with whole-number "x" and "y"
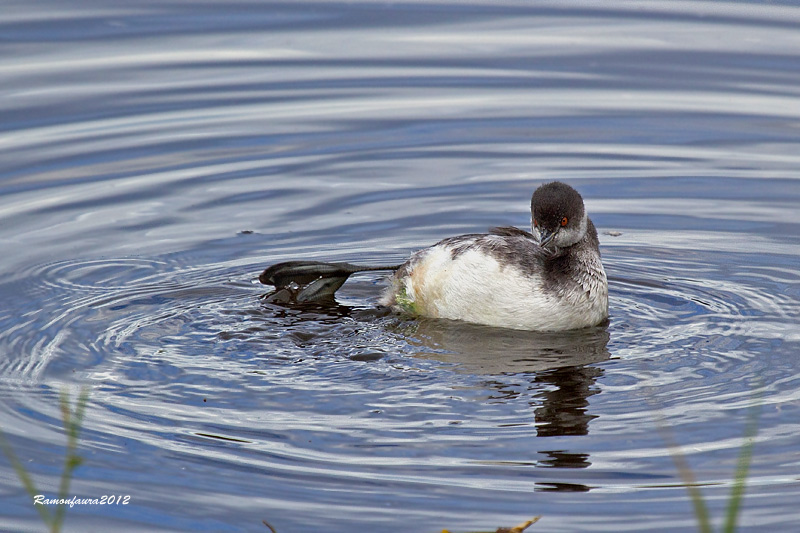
{"x": 549, "y": 279}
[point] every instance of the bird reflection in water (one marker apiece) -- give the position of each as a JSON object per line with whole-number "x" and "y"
{"x": 556, "y": 368}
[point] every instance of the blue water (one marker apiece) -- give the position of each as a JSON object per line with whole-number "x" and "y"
{"x": 155, "y": 157}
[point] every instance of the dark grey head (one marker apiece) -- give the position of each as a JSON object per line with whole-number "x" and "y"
{"x": 558, "y": 216}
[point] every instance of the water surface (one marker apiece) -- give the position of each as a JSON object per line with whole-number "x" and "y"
{"x": 156, "y": 157}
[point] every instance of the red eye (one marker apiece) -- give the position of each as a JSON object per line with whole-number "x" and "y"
{"x": 564, "y": 221}
{"x": 535, "y": 223}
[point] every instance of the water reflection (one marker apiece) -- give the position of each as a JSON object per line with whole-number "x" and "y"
{"x": 555, "y": 369}
{"x": 478, "y": 349}
{"x": 563, "y": 408}
{"x": 563, "y": 411}
{"x": 553, "y": 372}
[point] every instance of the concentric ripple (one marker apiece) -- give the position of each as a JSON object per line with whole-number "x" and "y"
{"x": 155, "y": 157}
{"x": 184, "y": 358}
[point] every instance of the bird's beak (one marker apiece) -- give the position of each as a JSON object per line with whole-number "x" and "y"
{"x": 546, "y": 237}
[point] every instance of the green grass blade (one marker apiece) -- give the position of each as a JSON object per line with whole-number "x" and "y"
{"x": 23, "y": 476}
{"x": 72, "y": 427}
{"x": 742, "y": 467}
{"x": 699, "y": 504}
{"x": 686, "y": 475}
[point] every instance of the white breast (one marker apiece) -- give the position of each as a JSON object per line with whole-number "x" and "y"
{"x": 473, "y": 286}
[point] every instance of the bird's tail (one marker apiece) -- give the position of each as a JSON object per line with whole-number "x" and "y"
{"x": 309, "y": 281}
